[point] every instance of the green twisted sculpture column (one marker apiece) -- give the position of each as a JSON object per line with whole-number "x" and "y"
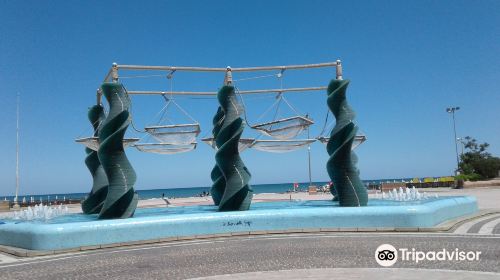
{"x": 121, "y": 200}
{"x": 341, "y": 166}
{"x": 219, "y": 184}
{"x": 93, "y": 203}
{"x": 237, "y": 192}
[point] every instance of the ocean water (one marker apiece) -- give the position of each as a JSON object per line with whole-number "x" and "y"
{"x": 189, "y": 192}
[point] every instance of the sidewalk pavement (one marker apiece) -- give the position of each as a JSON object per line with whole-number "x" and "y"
{"x": 359, "y": 274}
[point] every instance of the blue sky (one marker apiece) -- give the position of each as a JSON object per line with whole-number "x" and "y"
{"x": 407, "y": 61}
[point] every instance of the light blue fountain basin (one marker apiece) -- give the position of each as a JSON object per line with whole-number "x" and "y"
{"x": 78, "y": 230}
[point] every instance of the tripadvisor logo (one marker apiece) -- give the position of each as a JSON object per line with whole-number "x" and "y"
{"x": 388, "y": 255}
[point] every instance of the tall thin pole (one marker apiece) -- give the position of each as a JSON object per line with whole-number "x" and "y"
{"x": 461, "y": 144}
{"x": 17, "y": 150}
{"x": 455, "y": 140}
{"x": 452, "y": 110}
{"x": 309, "y": 158}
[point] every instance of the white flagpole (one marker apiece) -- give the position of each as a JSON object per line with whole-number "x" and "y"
{"x": 17, "y": 152}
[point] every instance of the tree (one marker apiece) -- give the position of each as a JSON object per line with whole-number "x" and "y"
{"x": 477, "y": 163}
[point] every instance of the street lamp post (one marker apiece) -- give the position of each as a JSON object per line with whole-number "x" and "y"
{"x": 452, "y": 110}
{"x": 462, "y": 142}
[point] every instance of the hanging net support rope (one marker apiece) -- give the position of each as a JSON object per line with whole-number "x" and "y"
{"x": 170, "y": 99}
{"x": 255, "y": 78}
{"x": 133, "y": 125}
{"x": 325, "y": 124}
{"x": 359, "y": 139}
{"x": 182, "y": 134}
{"x": 141, "y": 76}
{"x": 285, "y": 128}
{"x": 173, "y": 138}
{"x": 130, "y": 112}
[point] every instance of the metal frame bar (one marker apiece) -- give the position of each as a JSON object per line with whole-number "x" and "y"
{"x": 210, "y": 93}
{"x": 112, "y": 75}
{"x": 218, "y": 69}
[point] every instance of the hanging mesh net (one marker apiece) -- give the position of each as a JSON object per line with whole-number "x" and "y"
{"x": 89, "y": 142}
{"x": 173, "y": 133}
{"x": 243, "y": 144}
{"x": 164, "y": 148}
{"x": 179, "y": 134}
{"x": 281, "y": 146}
{"x": 284, "y": 129}
{"x": 93, "y": 142}
{"x": 172, "y": 138}
{"x": 358, "y": 140}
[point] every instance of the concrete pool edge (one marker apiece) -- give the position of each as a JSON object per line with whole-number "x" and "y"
{"x": 444, "y": 227}
{"x": 49, "y": 239}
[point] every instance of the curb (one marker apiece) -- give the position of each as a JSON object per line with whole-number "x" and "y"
{"x": 444, "y": 227}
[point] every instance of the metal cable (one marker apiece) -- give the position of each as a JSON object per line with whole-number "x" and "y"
{"x": 325, "y": 124}
{"x": 140, "y": 76}
{"x": 130, "y": 112}
{"x": 254, "y": 78}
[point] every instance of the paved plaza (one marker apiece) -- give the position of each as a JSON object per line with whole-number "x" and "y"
{"x": 200, "y": 258}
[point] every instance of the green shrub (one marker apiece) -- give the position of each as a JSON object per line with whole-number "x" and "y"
{"x": 469, "y": 177}
{"x": 477, "y": 163}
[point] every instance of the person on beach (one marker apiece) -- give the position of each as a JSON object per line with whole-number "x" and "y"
{"x": 164, "y": 199}
{"x": 330, "y": 185}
